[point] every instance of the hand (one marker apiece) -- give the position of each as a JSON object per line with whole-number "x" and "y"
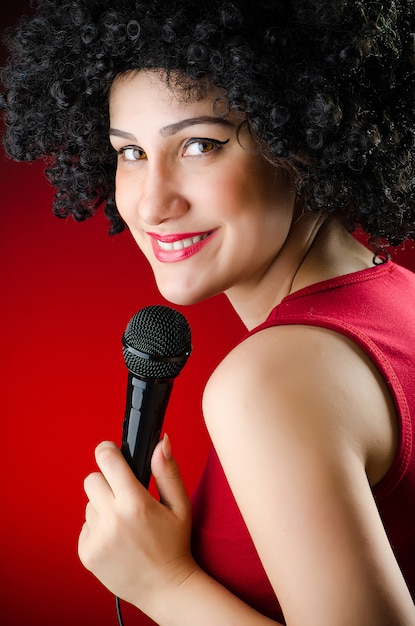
{"x": 135, "y": 545}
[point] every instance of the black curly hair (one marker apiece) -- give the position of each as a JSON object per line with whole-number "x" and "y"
{"x": 327, "y": 87}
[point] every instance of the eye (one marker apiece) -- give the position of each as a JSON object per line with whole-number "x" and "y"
{"x": 132, "y": 154}
{"x": 197, "y": 146}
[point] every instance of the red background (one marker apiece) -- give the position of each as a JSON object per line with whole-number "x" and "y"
{"x": 68, "y": 291}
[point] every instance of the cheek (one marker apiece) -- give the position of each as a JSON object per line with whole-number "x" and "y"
{"x": 126, "y": 202}
{"x": 229, "y": 193}
{"x": 124, "y": 199}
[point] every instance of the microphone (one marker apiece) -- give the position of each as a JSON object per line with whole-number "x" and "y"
{"x": 156, "y": 346}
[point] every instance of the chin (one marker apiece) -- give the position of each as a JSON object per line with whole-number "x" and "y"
{"x": 180, "y": 299}
{"x": 183, "y": 296}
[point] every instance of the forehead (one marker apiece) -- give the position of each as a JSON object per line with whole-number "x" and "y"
{"x": 151, "y": 92}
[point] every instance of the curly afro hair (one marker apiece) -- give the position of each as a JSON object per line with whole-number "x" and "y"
{"x": 327, "y": 87}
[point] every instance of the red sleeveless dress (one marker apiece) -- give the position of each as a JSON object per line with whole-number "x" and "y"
{"x": 375, "y": 308}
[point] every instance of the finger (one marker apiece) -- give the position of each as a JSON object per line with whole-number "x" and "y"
{"x": 169, "y": 481}
{"x": 90, "y": 514}
{"x": 116, "y": 470}
{"x": 82, "y": 539}
{"x": 98, "y": 490}
{"x": 86, "y": 537}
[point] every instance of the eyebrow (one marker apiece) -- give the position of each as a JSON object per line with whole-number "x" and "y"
{"x": 172, "y": 129}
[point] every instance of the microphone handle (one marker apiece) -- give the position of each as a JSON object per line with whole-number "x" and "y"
{"x": 145, "y": 409}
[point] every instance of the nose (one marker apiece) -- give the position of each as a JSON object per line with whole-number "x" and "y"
{"x": 159, "y": 195}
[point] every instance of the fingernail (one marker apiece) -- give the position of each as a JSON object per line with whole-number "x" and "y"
{"x": 166, "y": 447}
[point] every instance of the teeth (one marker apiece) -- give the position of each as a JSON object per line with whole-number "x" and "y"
{"x": 182, "y": 243}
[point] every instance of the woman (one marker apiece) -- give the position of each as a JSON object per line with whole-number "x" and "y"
{"x": 246, "y": 141}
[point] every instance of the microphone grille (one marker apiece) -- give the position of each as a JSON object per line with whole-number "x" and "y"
{"x": 163, "y": 335}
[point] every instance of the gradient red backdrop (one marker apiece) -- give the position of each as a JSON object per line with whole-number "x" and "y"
{"x": 68, "y": 291}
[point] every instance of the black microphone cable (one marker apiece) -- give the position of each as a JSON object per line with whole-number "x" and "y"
{"x": 118, "y": 609}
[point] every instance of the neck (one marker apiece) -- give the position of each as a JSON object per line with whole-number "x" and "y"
{"x": 317, "y": 248}
{"x": 254, "y": 302}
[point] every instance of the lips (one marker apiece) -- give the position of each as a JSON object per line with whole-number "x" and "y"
{"x": 177, "y": 247}
{"x": 180, "y": 244}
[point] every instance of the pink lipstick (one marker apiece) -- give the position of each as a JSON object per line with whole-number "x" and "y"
{"x": 178, "y": 247}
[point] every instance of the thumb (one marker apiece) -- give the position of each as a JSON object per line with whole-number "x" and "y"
{"x": 168, "y": 479}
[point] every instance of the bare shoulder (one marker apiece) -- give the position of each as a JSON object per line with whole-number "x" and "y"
{"x": 300, "y": 417}
{"x": 315, "y": 376}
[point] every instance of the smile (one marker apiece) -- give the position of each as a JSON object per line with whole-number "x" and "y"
{"x": 180, "y": 244}
{"x": 173, "y": 248}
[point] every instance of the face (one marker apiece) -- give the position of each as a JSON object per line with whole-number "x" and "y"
{"x": 207, "y": 211}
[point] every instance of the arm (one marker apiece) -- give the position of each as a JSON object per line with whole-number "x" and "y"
{"x": 139, "y": 547}
{"x": 306, "y": 416}
{"x": 296, "y": 461}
